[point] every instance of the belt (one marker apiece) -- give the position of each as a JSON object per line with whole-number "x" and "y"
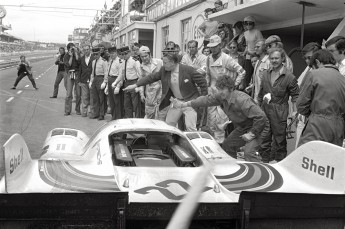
{"x": 132, "y": 80}
{"x": 112, "y": 76}
{"x": 99, "y": 75}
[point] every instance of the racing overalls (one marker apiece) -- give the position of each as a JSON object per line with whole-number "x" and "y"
{"x": 277, "y": 110}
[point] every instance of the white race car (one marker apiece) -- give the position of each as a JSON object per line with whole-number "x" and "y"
{"x": 155, "y": 162}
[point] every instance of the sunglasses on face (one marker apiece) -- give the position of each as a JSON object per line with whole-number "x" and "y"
{"x": 233, "y": 47}
{"x": 248, "y": 23}
{"x": 307, "y": 57}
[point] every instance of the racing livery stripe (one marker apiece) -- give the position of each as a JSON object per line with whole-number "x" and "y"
{"x": 236, "y": 174}
{"x": 55, "y": 174}
{"x": 259, "y": 177}
{"x": 88, "y": 174}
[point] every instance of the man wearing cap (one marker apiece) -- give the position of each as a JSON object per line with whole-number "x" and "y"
{"x": 208, "y": 28}
{"x": 217, "y": 64}
{"x": 98, "y": 82}
{"x": 115, "y": 96}
{"x": 85, "y": 70}
{"x": 153, "y": 91}
{"x": 179, "y": 81}
{"x": 274, "y": 41}
{"x": 130, "y": 73}
{"x": 251, "y": 34}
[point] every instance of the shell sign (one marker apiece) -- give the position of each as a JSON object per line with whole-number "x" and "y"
{"x": 196, "y": 35}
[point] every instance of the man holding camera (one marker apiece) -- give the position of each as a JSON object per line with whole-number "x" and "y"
{"x": 72, "y": 62}
{"x": 61, "y": 72}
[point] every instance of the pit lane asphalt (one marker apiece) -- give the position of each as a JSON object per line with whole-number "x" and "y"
{"x": 33, "y": 114}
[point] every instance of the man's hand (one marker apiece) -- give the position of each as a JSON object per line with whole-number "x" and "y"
{"x": 116, "y": 90}
{"x": 130, "y": 87}
{"x": 175, "y": 103}
{"x": 106, "y": 90}
{"x": 90, "y": 84}
{"x": 249, "y": 88}
{"x": 142, "y": 97}
{"x": 103, "y": 85}
{"x": 248, "y": 137}
{"x": 113, "y": 85}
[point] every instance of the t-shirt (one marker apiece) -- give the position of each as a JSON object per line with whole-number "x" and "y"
{"x": 251, "y": 37}
{"x": 210, "y": 28}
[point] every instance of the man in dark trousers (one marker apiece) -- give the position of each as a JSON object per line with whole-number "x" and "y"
{"x": 251, "y": 124}
{"x": 24, "y": 69}
{"x": 72, "y": 62}
{"x": 179, "y": 81}
{"x": 61, "y": 73}
{"x": 322, "y": 101}
{"x": 85, "y": 70}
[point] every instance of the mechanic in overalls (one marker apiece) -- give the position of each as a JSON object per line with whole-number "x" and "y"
{"x": 251, "y": 124}
{"x": 277, "y": 85}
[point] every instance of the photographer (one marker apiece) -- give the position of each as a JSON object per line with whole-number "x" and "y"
{"x": 72, "y": 62}
{"x": 61, "y": 72}
{"x": 24, "y": 69}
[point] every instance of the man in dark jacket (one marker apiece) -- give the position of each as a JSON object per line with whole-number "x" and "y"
{"x": 251, "y": 124}
{"x": 85, "y": 70}
{"x": 322, "y": 101}
{"x": 61, "y": 73}
{"x": 179, "y": 81}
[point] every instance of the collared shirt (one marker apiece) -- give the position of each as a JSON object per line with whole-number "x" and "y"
{"x": 153, "y": 91}
{"x": 260, "y": 66}
{"x": 87, "y": 59}
{"x": 342, "y": 67}
{"x": 198, "y": 63}
{"x": 302, "y": 76}
{"x": 175, "y": 83}
{"x": 283, "y": 87}
{"x": 224, "y": 65}
{"x": 210, "y": 28}
{"x": 101, "y": 69}
{"x": 239, "y": 107}
{"x": 114, "y": 67}
{"x": 133, "y": 70}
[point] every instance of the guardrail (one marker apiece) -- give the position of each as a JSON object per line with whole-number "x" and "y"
{"x": 9, "y": 64}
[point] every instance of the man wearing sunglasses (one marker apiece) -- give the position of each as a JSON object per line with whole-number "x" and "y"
{"x": 251, "y": 34}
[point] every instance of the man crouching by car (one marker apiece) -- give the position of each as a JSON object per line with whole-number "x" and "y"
{"x": 251, "y": 124}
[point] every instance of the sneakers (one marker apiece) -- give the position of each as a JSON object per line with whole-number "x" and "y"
{"x": 13, "y": 88}
{"x": 78, "y": 113}
{"x": 66, "y": 114}
{"x": 53, "y": 97}
{"x": 36, "y": 88}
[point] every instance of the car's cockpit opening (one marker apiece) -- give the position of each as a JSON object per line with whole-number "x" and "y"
{"x": 152, "y": 149}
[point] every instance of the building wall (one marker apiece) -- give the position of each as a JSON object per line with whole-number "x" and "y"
{"x": 196, "y": 13}
{"x": 146, "y": 38}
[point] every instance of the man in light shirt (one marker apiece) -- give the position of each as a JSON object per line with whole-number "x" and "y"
{"x": 336, "y": 46}
{"x": 98, "y": 82}
{"x": 129, "y": 75}
{"x": 115, "y": 96}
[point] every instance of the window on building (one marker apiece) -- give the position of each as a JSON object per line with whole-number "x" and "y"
{"x": 186, "y": 33}
{"x": 165, "y": 36}
{"x": 123, "y": 40}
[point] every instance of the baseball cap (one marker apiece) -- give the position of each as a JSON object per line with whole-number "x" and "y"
{"x": 272, "y": 39}
{"x": 249, "y": 18}
{"x": 144, "y": 49}
{"x": 214, "y": 41}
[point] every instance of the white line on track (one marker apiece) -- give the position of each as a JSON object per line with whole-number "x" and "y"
{"x": 36, "y": 78}
{"x": 10, "y": 99}
{"x": 19, "y": 92}
{"x": 27, "y": 85}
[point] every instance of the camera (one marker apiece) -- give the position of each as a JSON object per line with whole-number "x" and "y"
{"x": 72, "y": 49}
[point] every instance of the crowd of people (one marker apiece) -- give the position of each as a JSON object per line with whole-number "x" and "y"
{"x": 241, "y": 90}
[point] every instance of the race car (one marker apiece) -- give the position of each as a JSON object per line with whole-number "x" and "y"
{"x": 155, "y": 162}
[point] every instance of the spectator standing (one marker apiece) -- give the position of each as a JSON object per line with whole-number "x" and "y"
{"x": 61, "y": 73}
{"x": 307, "y": 52}
{"x": 224, "y": 38}
{"x": 135, "y": 52}
{"x": 193, "y": 58}
{"x": 72, "y": 62}
{"x": 322, "y": 101}
{"x": 251, "y": 34}
{"x": 153, "y": 91}
{"x": 219, "y": 64}
{"x": 115, "y": 94}
{"x": 238, "y": 31}
{"x": 179, "y": 81}
{"x": 98, "y": 82}
{"x": 336, "y": 46}
{"x": 208, "y": 28}
{"x": 251, "y": 124}
{"x": 85, "y": 71}
{"x": 218, "y": 6}
{"x": 206, "y": 51}
{"x": 24, "y": 69}
{"x": 277, "y": 85}
{"x": 130, "y": 74}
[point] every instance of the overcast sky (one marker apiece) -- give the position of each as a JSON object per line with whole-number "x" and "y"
{"x": 49, "y": 24}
